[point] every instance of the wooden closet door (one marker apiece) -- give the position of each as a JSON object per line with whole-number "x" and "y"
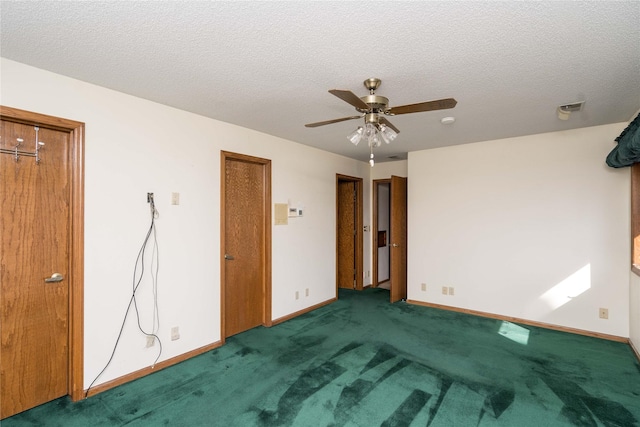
{"x": 34, "y": 245}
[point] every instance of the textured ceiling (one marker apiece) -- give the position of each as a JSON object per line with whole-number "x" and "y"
{"x": 268, "y": 65}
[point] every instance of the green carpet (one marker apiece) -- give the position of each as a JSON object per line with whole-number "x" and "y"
{"x": 364, "y": 362}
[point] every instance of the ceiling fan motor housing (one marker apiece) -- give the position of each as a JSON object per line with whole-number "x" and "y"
{"x": 372, "y": 118}
{"x": 376, "y": 103}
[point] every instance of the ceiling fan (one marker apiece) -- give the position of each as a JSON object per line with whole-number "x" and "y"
{"x": 374, "y": 107}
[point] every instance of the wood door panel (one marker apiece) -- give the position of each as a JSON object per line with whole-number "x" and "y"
{"x": 245, "y": 242}
{"x": 398, "y": 238}
{"x": 34, "y": 244}
{"x": 346, "y": 234}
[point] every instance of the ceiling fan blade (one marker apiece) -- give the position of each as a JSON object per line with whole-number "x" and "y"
{"x": 386, "y": 122}
{"x": 440, "y": 104}
{"x": 350, "y": 97}
{"x": 328, "y": 122}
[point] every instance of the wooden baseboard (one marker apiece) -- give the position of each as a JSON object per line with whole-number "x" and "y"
{"x": 300, "y": 312}
{"x": 522, "y": 321}
{"x": 149, "y": 370}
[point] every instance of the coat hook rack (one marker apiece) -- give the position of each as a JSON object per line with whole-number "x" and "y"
{"x": 16, "y": 152}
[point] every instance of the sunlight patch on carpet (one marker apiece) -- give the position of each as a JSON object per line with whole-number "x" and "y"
{"x": 514, "y": 332}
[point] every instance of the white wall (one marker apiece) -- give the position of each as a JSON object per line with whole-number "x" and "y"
{"x": 386, "y": 169}
{"x": 535, "y": 227}
{"x": 134, "y": 146}
{"x": 634, "y": 311}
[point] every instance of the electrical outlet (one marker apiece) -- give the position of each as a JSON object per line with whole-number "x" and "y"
{"x": 306, "y": 292}
{"x": 445, "y": 290}
{"x": 297, "y": 295}
{"x": 175, "y": 333}
{"x": 149, "y": 197}
{"x": 424, "y": 287}
{"x": 175, "y": 198}
{"x": 451, "y": 290}
{"x": 604, "y": 313}
{"x": 151, "y": 340}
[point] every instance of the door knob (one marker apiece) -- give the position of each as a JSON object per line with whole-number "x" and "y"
{"x": 229, "y": 257}
{"x": 395, "y": 245}
{"x": 55, "y": 277}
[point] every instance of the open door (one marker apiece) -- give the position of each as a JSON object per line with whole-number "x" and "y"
{"x": 398, "y": 239}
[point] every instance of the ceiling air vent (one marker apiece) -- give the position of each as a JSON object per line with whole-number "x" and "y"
{"x": 564, "y": 111}
{"x": 576, "y": 106}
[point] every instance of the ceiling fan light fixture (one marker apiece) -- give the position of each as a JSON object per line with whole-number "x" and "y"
{"x": 356, "y": 136}
{"x": 375, "y": 141}
{"x": 372, "y": 135}
{"x": 369, "y": 131}
{"x": 388, "y": 134}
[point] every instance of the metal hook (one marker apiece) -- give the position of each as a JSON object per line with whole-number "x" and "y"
{"x": 20, "y": 141}
{"x": 16, "y": 151}
{"x": 38, "y": 145}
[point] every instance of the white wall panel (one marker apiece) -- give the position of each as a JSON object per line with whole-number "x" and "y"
{"x": 535, "y": 227}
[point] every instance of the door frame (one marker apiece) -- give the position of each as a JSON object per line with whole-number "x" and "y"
{"x": 266, "y": 273}
{"x": 359, "y": 228}
{"x": 75, "y": 334}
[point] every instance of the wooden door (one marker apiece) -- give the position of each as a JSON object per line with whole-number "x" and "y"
{"x": 246, "y": 243}
{"x": 349, "y": 232}
{"x": 34, "y": 244}
{"x": 346, "y": 235}
{"x": 398, "y": 238}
